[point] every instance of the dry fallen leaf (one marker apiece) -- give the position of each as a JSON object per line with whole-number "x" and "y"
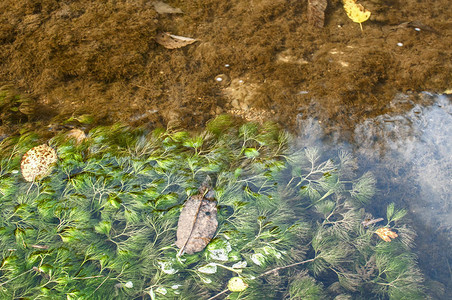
{"x": 171, "y": 41}
{"x": 316, "y": 12}
{"x": 356, "y": 12}
{"x": 77, "y": 134}
{"x": 37, "y": 163}
{"x": 163, "y": 8}
{"x": 386, "y": 234}
{"x": 197, "y": 221}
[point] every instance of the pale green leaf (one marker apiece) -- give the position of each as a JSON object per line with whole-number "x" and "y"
{"x": 210, "y": 268}
{"x": 251, "y": 152}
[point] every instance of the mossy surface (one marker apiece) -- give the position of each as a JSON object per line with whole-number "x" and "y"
{"x": 78, "y": 57}
{"x": 103, "y": 223}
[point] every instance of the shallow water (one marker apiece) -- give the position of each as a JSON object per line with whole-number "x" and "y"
{"x": 276, "y": 66}
{"x": 410, "y": 154}
{"x": 407, "y": 152}
{"x": 420, "y": 143}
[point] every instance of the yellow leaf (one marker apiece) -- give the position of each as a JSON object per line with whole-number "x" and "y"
{"x": 386, "y": 234}
{"x": 356, "y": 12}
{"x": 236, "y": 284}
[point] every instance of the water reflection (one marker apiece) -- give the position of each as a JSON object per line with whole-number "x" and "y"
{"x": 410, "y": 153}
{"x": 416, "y": 146}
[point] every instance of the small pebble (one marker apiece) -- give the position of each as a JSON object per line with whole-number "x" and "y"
{"x": 223, "y": 79}
{"x": 400, "y": 44}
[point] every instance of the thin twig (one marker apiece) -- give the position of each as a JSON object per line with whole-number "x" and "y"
{"x": 89, "y": 277}
{"x": 101, "y": 284}
{"x": 219, "y": 294}
{"x": 285, "y": 267}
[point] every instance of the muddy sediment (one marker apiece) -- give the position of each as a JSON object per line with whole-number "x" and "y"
{"x": 101, "y": 58}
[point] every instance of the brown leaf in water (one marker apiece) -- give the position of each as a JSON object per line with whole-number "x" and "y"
{"x": 163, "y": 8}
{"x": 197, "y": 222}
{"x": 171, "y": 41}
{"x": 316, "y": 12}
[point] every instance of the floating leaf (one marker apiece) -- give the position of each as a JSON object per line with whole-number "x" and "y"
{"x": 251, "y": 152}
{"x": 163, "y": 8}
{"x": 167, "y": 267}
{"x": 258, "y": 259}
{"x": 236, "y": 284}
{"x": 161, "y": 290}
{"x": 356, "y": 12}
{"x": 197, "y": 222}
{"x": 170, "y": 41}
{"x": 271, "y": 251}
{"x": 386, "y": 234}
{"x": 219, "y": 250}
{"x": 234, "y": 256}
{"x": 240, "y": 265}
{"x": 316, "y": 12}
{"x": 206, "y": 280}
{"x": 208, "y": 269}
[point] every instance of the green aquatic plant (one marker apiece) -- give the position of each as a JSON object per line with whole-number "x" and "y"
{"x": 103, "y": 223}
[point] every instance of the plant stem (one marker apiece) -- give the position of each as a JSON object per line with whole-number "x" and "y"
{"x": 3, "y": 283}
{"x": 285, "y": 267}
{"x": 219, "y": 294}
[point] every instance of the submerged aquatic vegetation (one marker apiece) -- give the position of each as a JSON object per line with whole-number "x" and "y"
{"x": 104, "y": 222}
